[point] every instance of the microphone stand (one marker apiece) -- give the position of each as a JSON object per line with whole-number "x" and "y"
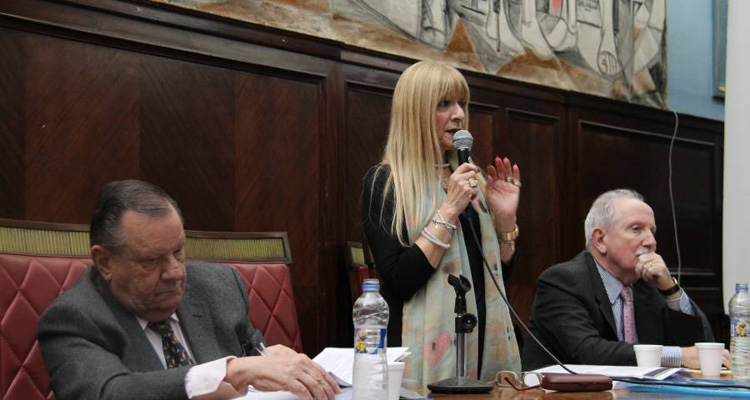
{"x": 465, "y": 323}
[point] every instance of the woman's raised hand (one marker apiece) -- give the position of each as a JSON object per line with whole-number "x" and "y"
{"x": 503, "y": 192}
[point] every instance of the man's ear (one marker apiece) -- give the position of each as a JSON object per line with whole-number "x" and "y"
{"x": 598, "y": 240}
{"x": 103, "y": 260}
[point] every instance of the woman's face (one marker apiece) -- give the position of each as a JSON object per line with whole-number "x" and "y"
{"x": 449, "y": 118}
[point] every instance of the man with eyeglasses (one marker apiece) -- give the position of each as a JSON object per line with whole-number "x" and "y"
{"x": 142, "y": 323}
{"x": 619, "y": 292}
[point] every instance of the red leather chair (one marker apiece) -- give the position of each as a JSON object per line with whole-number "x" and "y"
{"x": 39, "y": 261}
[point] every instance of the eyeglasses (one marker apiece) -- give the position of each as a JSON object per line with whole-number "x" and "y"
{"x": 528, "y": 381}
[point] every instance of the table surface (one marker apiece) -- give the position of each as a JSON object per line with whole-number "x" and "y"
{"x": 538, "y": 394}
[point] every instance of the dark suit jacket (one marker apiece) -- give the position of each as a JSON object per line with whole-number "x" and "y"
{"x": 95, "y": 349}
{"x": 572, "y": 317}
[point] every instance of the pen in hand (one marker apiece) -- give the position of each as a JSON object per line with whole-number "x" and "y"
{"x": 262, "y": 350}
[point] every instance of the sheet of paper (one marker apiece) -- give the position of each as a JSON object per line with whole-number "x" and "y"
{"x": 346, "y": 394}
{"x": 339, "y": 362}
{"x": 656, "y": 373}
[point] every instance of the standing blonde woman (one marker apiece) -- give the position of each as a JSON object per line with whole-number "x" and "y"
{"x": 412, "y": 210}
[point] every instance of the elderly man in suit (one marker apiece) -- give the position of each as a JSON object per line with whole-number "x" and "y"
{"x": 619, "y": 292}
{"x": 142, "y": 323}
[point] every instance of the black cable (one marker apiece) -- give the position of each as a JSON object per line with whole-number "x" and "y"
{"x": 505, "y": 299}
{"x": 625, "y": 380}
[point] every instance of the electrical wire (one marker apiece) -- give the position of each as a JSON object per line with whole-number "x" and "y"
{"x": 563, "y": 366}
{"x": 671, "y": 197}
{"x": 505, "y": 299}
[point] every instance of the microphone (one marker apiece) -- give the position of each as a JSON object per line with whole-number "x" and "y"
{"x": 462, "y": 141}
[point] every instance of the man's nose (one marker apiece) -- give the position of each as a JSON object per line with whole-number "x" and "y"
{"x": 174, "y": 270}
{"x": 650, "y": 241}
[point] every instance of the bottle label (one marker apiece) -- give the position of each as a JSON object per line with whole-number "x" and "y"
{"x": 740, "y": 327}
{"x": 369, "y": 340}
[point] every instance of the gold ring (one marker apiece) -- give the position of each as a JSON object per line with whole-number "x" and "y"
{"x": 473, "y": 182}
{"x": 517, "y": 182}
{"x": 509, "y": 179}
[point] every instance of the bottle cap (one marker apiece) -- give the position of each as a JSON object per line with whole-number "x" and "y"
{"x": 740, "y": 287}
{"x": 370, "y": 284}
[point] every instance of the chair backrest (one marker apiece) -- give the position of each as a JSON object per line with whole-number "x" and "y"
{"x": 359, "y": 267}
{"x": 38, "y": 261}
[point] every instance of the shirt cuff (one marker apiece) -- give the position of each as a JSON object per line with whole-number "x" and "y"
{"x": 681, "y": 304}
{"x": 671, "y": 356}
{"x": 205, "y": 378}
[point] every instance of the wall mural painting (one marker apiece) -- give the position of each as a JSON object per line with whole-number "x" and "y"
{"x": 610, "y": 48}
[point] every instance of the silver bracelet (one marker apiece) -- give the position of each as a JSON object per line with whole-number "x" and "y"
{"x": 441, "y": 221}
{"x": 429, "y": 236}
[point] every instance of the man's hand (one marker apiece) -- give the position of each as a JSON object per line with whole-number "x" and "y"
{"x": 651, "y": 267}
{"x": 726, "y": 359}
{"x": 283, "y": 369}
{"x": 690, "y": 358}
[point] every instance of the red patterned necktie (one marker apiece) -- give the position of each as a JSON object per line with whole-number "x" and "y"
{"x": 174, "y": 353}
{"x": 628, "y": 314}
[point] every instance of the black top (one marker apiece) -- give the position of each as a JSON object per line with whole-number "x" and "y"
{"x": 405, "y": 270}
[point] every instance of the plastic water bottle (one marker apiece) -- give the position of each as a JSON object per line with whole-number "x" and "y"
{"x": 739, "y": 311}
{"x": 370, "y": 316}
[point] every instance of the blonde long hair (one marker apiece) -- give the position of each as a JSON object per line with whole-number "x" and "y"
{"x": 413, "y": 149}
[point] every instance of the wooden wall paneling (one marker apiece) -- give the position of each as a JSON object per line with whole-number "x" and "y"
{"x": 81, "y": 125}
{"x": 329, "y": 288}
{"x": 169, "y": 31}
{"x": 618, "y": 156}
{"x": 533, "y": 141}
{"x": 165, "y": 13}
{"x": 187, "y": 138}
{"x": 572, "y": 241}
{"x": 614, "y": 157}
{"x": 12, "y": 123}
{"x": 334, "y": 153}
{"x": 368, "y": 118}
{"x": 279, "y": 131}
{"x": 483, "y": 125}
{"x": 366, "y": 111}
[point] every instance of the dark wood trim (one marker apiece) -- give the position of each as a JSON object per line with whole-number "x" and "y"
{"x": 214, "y": 25}
{"x": 43, "y": 226}
{"x": 532, "y": 116}
{"x": 84, "y": 25}
{"x": 624, "y": 130}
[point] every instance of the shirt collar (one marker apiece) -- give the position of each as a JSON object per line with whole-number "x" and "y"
{"x": 144, "y": 323}
{"x": 612, "y": 285}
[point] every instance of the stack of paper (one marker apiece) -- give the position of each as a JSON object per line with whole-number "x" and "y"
{"x": 657, "y": 373}
{"x": 339, "y": 362}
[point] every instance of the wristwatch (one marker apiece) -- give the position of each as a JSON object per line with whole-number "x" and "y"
{"x": 674, "y": 289}
{"x": 508, "y": 236}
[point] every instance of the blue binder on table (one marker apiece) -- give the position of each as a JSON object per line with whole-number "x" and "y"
{"x": 696, "y": 391}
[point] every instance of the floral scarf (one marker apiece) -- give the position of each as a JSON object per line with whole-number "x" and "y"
{"x": 428, "y": 317}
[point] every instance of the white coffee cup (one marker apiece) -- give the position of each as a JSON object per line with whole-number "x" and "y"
{"x": 395, "y": 375}
{"x": 648, "y": 355}
{"x": 709, "y": 356}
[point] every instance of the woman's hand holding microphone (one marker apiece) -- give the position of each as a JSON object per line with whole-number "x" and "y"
{"x": 462, "y": 188}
